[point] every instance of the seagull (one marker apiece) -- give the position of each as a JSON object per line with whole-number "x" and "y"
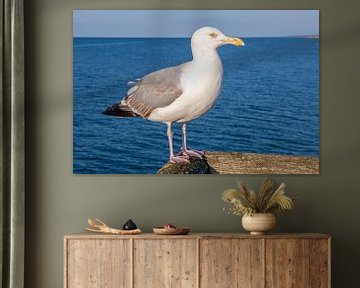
{"x": 180, "y": 93}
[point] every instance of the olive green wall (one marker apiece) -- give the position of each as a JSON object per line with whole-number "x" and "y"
{"x": 59, "y": 202}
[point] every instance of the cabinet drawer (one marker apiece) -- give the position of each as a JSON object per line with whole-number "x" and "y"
{"x": 297, "y": 263}
{"x": 98, "y": 263}
{"x": 165, "y": 263}
{"x": 231, "y": 263}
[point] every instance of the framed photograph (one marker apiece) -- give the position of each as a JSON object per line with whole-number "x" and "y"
{"x": 196, "y": 91}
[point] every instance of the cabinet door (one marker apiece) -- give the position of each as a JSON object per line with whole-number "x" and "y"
{"x": 320, "y": 263}
{"x": 287, "y": 263}
{"x": 98, "y": 263}
{"x": 231, "y": 263}
{"x": 165, "y": 263}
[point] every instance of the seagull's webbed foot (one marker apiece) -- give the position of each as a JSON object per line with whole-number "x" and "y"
{"x": 179, "y": 159}
{"x": 194, "y": 153}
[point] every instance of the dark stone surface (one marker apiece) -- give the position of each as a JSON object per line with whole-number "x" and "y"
{"x": 195, "y": 166}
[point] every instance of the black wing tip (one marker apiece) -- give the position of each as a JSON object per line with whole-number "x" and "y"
{"x": 119, "y": 111}
{"x": 109, "y": 111}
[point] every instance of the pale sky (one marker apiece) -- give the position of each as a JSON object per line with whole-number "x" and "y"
{"x": 182, "y": 23}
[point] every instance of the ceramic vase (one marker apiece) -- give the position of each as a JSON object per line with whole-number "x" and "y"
{"x": 259, "y": 223}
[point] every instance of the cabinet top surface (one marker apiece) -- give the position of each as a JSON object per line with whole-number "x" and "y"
{"x": 87, "y": 235}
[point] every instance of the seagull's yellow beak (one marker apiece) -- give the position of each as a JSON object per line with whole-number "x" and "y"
{"x": 233, "y": 41}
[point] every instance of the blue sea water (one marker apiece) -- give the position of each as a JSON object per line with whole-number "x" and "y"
{"x": 269, "y": 102}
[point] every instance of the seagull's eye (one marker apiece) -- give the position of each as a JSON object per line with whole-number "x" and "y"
{"x": 213, "y": 35}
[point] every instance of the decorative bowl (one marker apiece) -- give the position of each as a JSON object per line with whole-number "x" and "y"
{"x": 259, "y": 223}
{"x": 171, "y": 231}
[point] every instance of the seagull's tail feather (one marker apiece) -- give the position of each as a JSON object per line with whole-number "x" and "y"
{"x": 120, "y": 110}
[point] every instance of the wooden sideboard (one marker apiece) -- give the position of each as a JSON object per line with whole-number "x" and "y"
{"x": 197, "y": 260}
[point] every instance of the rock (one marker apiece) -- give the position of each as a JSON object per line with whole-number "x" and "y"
{"x": 244, "y": 163}
{"x": 129, "y": 225}
{"x": 253, "y": 163}
{"x": 195, "y": 166}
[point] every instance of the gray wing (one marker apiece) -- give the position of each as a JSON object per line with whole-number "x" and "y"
{"x": 155, "y": 90}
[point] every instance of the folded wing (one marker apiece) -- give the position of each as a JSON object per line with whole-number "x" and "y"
{"x": 155, "y": 90}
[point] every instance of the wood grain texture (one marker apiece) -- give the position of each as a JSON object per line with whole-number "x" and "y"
{"x": 165, "y": 263}
{"x": 98, "y": 264}
{"x": 231, "y": 263}
{"x": 319, "y": 263}
{"x": 88, "y": 235}
{"x": 197, "y": 260}
{"x": 287, "y": 263}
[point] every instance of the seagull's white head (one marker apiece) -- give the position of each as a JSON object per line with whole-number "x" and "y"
{"x": 212, "y": 38}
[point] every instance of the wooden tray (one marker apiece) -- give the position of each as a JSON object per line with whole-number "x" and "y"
{"x": 171, "y": 231}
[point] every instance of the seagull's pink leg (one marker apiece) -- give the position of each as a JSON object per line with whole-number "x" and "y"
{"x": 185, "y": 151}
{"x": 173, "y": 158}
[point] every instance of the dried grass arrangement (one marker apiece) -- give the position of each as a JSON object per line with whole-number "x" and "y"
{"x": 268, "y": 200}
